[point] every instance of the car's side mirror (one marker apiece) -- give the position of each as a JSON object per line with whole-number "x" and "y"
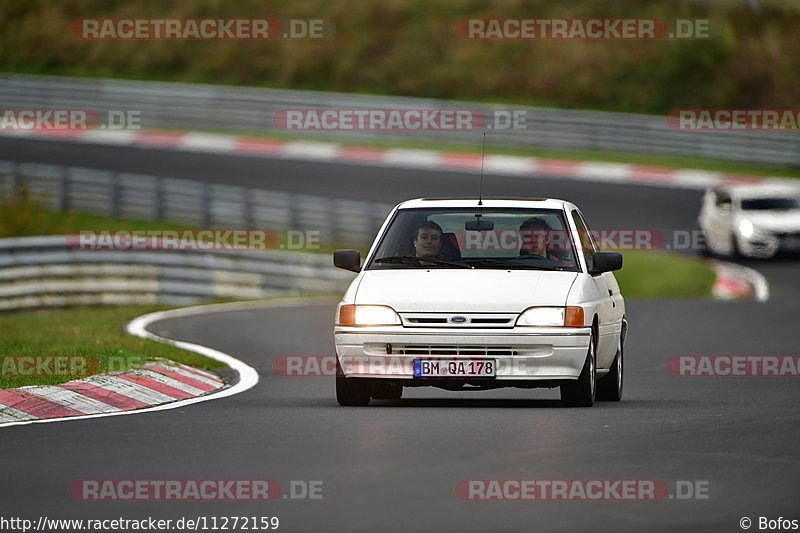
{"x": 606, "y": 262}
{"x": 347, "y": 259}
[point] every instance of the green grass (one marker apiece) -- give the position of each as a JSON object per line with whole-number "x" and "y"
{"x": 96, "y": 333}
{"x": 26, "y": 214}
{"x": 664, "y": 275}
{"x": 59, "y": 223}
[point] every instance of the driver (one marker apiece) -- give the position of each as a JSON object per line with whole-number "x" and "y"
{"x": 428, "y": 241}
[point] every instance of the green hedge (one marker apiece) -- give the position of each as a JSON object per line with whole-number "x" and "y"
{"x": 409, "y": 47}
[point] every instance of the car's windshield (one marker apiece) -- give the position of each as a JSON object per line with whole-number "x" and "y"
{"x": 770, "y": 204}
{"x": 535, "y": 239}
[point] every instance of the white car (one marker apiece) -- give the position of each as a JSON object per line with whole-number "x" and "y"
{"x": 464, "y": 294}
{"x": 751, "y": 220}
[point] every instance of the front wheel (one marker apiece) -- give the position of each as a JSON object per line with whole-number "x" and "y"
{"x": 581, "y": 392}
{"x": 736, "y": 251}
{"x": 609, "y": 388}
{"x": 351, "y": 391}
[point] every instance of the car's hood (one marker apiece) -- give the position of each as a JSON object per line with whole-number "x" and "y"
{"x": 462, "y": 291}
{"x": 786, "y": 221}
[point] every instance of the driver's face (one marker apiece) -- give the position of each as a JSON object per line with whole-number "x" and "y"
{"x": 428, "y": 243}
{"x": 535, "y": 240}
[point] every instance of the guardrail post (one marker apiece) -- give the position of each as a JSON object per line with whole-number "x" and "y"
{"x": 292, "y": 223}
{"x": 63, "y": 188}
{"x": 205, "y": 207}
{"x": 114, "y": 208}
{"x": 247, "y": 208}
{"x": 332, "y": 220}
{"x": 158, "y": 200}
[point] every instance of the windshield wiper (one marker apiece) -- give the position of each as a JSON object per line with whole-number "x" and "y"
{"x": 515, "y": 263}
{"x": 408, "y": 259}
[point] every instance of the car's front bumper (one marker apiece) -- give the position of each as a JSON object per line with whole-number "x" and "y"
{"x": 765, "y": 245}
{"x": 521, "y": 353}
{"x": 761, "y": 245}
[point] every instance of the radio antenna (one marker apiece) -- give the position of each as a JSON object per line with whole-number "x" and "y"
{"x": 483, "y": 156}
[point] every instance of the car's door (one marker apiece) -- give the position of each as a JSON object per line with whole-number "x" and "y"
{"x": 719, "y": 221}
{"x": 608, "y": 298}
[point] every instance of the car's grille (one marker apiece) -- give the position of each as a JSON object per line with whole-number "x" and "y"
{"x": 459, "y": 320}
{"x": 421, "y": 349}
{"x": 427, "y": 320}
{"x": 789, "y": 241}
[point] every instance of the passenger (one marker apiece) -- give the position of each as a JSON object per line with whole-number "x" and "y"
{"x": 535, "y": 239}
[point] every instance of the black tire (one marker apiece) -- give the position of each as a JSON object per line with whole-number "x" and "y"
{"x": 706, "y": 251}
{"x": 351, "y": 391}
{"x": 609, "y": 387}
{"x": 736, "y": 253}
{"x": 581, "y": 392}
{"x": 382, "y": 390}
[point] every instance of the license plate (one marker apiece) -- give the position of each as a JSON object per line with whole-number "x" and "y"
{"x": 792, "y": 242}
{"x": 454, "y": 368}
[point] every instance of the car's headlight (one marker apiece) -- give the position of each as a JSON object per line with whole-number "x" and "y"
{"x": 746, "y": 228}
{"x": 552, "y": 316}
{"x": 366, "y": 315}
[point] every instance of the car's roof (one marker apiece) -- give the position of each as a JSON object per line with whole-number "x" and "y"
{"x": 489, "y": 203}
{"x": 761, "y": 190}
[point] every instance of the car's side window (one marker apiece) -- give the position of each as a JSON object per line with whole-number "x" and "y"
{"x": 723, "y": 201}
{"x": 586, "y": 242}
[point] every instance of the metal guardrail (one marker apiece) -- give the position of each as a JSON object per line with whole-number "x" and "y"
{"x": 137, "y": 196}
{"x": 243, "y": 109}
{"x": 45, "y": 272}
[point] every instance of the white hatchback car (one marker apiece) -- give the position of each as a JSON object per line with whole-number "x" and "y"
{"x": 463, "y": 294}
{"x": 751, "y": 220}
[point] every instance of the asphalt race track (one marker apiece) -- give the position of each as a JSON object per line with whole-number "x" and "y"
{"x": 394, "y": 465}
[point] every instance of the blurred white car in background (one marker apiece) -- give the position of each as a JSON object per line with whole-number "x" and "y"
{"x": 756, "y": 221}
